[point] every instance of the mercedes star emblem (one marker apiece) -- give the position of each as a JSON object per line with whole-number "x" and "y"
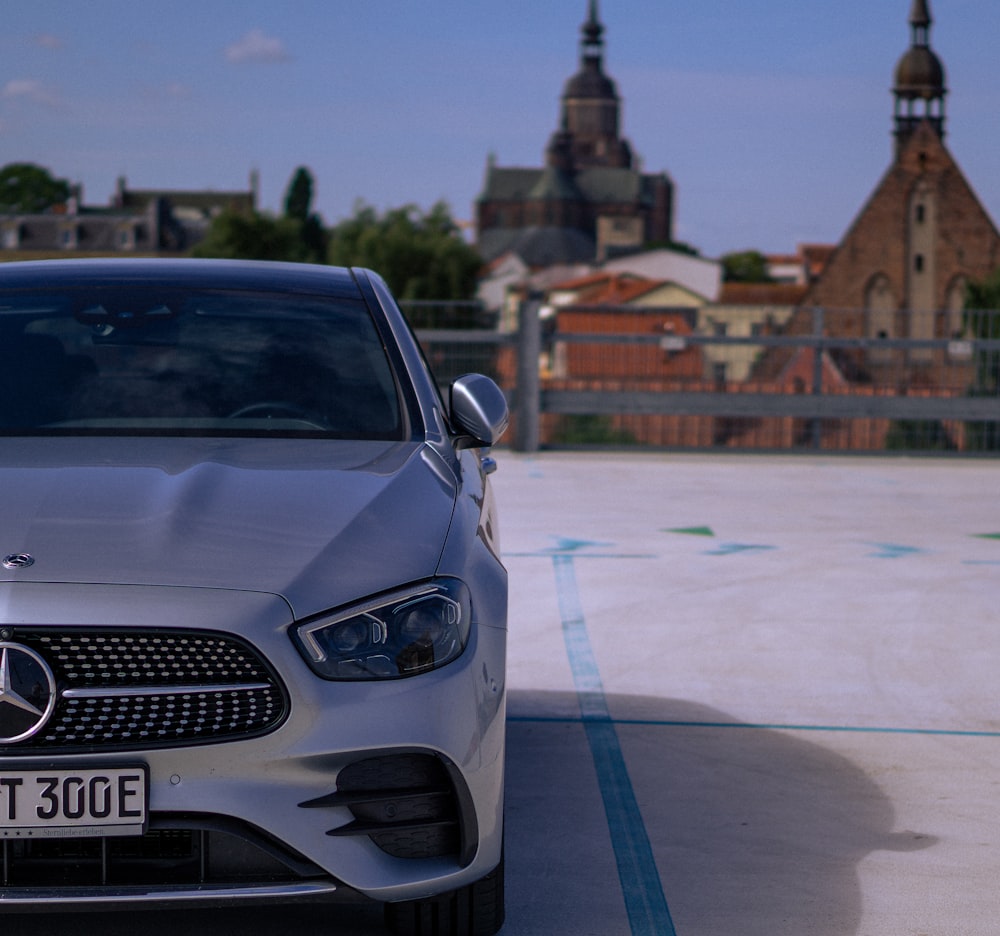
{"x": 18, "y": 561}
{"x": 27, "y": 692}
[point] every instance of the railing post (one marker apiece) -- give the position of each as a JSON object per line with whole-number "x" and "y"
{"x": 817, "y": 380}
{"x": 528, "y": 396}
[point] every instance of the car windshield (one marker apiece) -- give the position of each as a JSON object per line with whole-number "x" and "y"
{"x": 144, "y": 361}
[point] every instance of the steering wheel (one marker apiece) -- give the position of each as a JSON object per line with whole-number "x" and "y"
{"x": 278, "y": 408}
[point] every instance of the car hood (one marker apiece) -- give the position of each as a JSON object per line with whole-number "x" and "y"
{"x": 320, "y": 523}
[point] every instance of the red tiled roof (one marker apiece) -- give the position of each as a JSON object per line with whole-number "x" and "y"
{"x": 816, "y": 257}
{"x": 608, "y": 288}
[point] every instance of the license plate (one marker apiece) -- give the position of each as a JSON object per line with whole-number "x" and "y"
{"x": 73, "y": 802}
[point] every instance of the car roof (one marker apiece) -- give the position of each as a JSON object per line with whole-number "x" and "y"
{"x": 183, "y": 272}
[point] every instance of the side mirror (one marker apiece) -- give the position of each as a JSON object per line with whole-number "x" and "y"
{"x": 478, "y": 411}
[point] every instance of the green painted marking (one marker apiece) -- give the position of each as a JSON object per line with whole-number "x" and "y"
{"x": 995, "y": 536}
{"x": 692, "y": 531}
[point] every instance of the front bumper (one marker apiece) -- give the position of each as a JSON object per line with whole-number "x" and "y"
{"x": 267, "y": 818}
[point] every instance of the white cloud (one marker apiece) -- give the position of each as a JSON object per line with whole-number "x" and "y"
{"x": 27, "y": 89}
{"x": 257, "y": 46}
{"x": 49, "y": 41}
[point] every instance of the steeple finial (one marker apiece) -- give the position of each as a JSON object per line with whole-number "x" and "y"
{"x": 920, "y": 14}
{"x": 592, "y": 45}
{"x": 920, "y": 22}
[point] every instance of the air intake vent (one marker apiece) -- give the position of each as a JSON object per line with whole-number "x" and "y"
{"x": 405, "y": 803}
{"x": 178, "y": 851}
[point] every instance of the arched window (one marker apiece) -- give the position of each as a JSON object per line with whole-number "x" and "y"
{"x": 954, "y": 305}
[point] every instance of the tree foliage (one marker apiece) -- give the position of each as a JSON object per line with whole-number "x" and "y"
{"x": 299, "y": 196}
{"x": 674, "y": 245}
{"x": 984, "y": 293}
{"x": 298, "y": 209}
{"x": 421, "y": 255}
{"x": 297, "y": 237}
{"x": 237, "y": 236}
{"x": 982, "y": 321}
{"x": 746, "y": 266}
{"x": 29, "y": 189}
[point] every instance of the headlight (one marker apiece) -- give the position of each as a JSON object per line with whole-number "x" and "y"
{"x": 403, "y": 633}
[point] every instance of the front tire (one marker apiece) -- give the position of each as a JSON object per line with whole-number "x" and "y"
{"x": 474, "y": 910}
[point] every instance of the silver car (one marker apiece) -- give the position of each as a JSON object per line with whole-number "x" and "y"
{"x": 252, "y": 612}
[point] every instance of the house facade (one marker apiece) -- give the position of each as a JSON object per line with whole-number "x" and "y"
{"x": 143, "y": 222}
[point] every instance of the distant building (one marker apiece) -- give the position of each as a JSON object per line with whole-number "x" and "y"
{"x": 746, "y": 310}
{"x": 802, "y": 267}
{"x": 590, "y": 201}
{"x": 695, "y": 274}
{"x": 624, "y": 304}
{"x": 923, "y": 234}
{"x": 146, "y": 222}
{"x": 191, "y": 212}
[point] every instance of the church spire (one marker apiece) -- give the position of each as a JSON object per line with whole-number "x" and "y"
{"x": 589, "y": 130}
{"x": 592, "y": 44}
{"x": 920, "y": 21}
{"x": 920, "y": 83}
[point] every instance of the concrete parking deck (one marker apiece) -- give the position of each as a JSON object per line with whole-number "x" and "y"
{"x": 748, "y": 695}
{"x": 752, "y": 696}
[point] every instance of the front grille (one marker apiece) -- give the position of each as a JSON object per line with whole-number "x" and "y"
{"x": 178, "y": 850}
{"x": 127, "y": 689}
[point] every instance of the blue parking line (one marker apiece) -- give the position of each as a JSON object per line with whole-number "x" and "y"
{"x": 828, "y": 729}
{"x": 645, "y": 903}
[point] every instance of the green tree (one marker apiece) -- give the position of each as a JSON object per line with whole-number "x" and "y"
{"x": 298, "y": 236}
{"x": 298, "y": 209}
{"x": 982, "y": 321}
{"x": 422, "y": 256}
{"x": 676, "y": 246}
{"x": 257, "y": 236}
{"x": 299, "y": 195}
{"x": 746, "y": 266}
{"x": 29, "y": 189}
{"x": 984, "y": 294}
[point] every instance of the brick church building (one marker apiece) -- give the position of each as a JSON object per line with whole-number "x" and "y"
{"x": 923, "y": 234}
{"x": 590, "y": 200}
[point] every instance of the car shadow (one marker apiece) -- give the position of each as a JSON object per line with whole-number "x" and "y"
{"x": 753, "y": 831}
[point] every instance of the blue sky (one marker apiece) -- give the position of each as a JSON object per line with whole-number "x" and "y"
{"x": 773, "y": 117}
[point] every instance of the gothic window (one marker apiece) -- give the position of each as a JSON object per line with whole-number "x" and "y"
{"x": 954, "y": 303}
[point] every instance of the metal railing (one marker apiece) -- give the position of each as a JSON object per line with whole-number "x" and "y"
{"x": 815, "y": 381}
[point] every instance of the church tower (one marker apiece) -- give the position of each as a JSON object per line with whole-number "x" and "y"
{"x": 920, "y": 83}
{"x": 590, "y": 200}
{"x": 591, "y": 110}
{"x": 923, "y": 234}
